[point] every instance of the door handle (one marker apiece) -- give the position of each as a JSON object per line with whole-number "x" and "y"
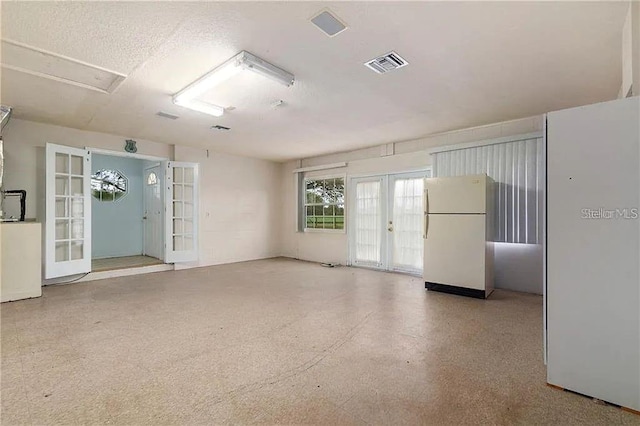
{"x": 425, "y": 205}
{"x": 144, "y": 217}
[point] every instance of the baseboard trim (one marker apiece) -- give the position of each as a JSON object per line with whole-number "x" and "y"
{"x": 460, "y": 291}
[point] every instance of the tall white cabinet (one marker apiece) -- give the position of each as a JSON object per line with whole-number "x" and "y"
{"x": 593, "y": 251}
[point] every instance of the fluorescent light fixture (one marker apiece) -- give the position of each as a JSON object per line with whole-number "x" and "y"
{"x": 204, "y": 107}
{"x": 242, "y": 61}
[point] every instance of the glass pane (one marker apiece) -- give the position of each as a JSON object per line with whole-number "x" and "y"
{"x": 188, "y": 175}
{"x": 309, "y": 210}
{"x": 177, "y": 226}
{"x": 178, "y": 192}
{"x": 187, "y": 243}
{"x": 62, "y": 229}
{"x": 311, "y": 222}
{"x": 77, "y": 207}
{"x": 188, "y": 193}
{"x": 339, "y": 222}
{"x": 177, "y": 175}
{"x": 77, "y": 164}
{"x": 317, "y": 211}
{"x": 76, "y": 186}
{"x": 368, "y": 224}
{"x": 177, "y": 243}
{"x": 62, "y": 251}
{"x": 340, "y": 216}
{"x": 188, "y": 210}
{"x": 152, "y": 179}
{"x": 313, "y": 190}
{"x": 77, "y": 248}
{"x": 188, "y": 226}
{"x": 77, "y": 229}
{"x": 177, "y": 209}
{"x": 339, "y": 190}
{"x": 328, "y": 210}
{"x": 329, "y": 191}
{"x": 61, "y": 207}
{"x": 109, "y": 185}
{"x": 62, "y": 163}
{"x": 62, "y": 185}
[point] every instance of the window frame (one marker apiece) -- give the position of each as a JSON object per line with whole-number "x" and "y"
{"x": 303, "y": 204}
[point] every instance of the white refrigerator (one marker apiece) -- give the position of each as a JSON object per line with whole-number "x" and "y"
{"x": 592, "y": 296}
{"x": 458, "y": 247}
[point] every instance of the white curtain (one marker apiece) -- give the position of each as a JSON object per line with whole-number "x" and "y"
{"x": 368, "y": 222}
{"x": 407, "y": 223}
{"x": 518, "y": 170}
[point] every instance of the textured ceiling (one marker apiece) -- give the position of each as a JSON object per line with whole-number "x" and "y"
{"x": 469, "y": 64}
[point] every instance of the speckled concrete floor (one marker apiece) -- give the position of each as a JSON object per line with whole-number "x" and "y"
{"x": 279, "y": 341}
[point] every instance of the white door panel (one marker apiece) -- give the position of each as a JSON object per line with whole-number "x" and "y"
{"x": 153, "y": 209}
{"x": 181, "y": 215}
{"x": 68, "y": 211}
{"x": 368, "y": 217}
{"x": 454, "y": 250}
{"x": 457, "y": 194}
{"x": 405, "y": 231}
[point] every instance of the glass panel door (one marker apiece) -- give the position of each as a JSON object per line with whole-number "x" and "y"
{"x": 367, "y": 248}
{"x": 406, "y": 244}
{"x": 181, "y": 195}
{"x": 68, "y": 211}
{"x": 386, "y": 215}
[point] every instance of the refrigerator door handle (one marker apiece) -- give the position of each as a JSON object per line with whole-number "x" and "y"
{"x": 425, "y": 208}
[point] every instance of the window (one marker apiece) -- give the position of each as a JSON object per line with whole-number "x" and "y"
{"x": 109, "y": 185}
{"x": 324, "y": 203}
{"x": 152, "y": 179}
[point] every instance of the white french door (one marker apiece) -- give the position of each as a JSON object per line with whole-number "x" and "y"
{"x": 367, "y": 215}
{"x": 68, "y": 211}
{"x": 181, "y": 206}
{"x": 406, "y": 222}
{"x": 386, "y": 222}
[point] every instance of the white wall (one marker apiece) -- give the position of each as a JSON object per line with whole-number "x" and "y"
{"x": 240, "y": 206}
{"x": 239, "y": 197}
{"x": 515, "y": 261}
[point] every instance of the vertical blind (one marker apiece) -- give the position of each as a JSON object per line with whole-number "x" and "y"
{"x": 368, "y": 223}
{"x": 518, "y": 170}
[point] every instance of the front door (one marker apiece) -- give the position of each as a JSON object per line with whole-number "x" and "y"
{"x": 153, "y": 209}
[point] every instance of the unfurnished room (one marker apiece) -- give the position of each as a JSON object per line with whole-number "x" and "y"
{"x": 309, "y": 212}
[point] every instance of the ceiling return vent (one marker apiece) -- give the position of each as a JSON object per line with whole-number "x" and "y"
{"x": 167, "y": 115}
{"x": 385, "y": 63}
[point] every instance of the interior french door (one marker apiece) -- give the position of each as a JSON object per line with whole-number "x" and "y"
{"x": 181, "y": 206}
{"x": 68, "y": 211}
{"x": 386, "y": 222}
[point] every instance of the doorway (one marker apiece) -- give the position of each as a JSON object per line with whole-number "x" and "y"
{"x": 387, "y": 222}
{"x": 88, "y": 228}
{"x": 125, "y": 191}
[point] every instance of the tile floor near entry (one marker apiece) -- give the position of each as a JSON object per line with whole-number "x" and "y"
{"x": 279, "y": 341}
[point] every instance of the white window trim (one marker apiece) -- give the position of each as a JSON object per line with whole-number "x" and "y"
{"x": 302, "y": 205}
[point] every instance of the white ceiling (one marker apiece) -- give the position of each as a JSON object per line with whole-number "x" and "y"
{"x": 470, "y": 63}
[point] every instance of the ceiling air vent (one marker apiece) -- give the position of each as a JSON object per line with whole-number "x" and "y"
{"x": 167, "y": 115}
{"x": 386, "y": 63}
{"x": 328, "y": 23}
